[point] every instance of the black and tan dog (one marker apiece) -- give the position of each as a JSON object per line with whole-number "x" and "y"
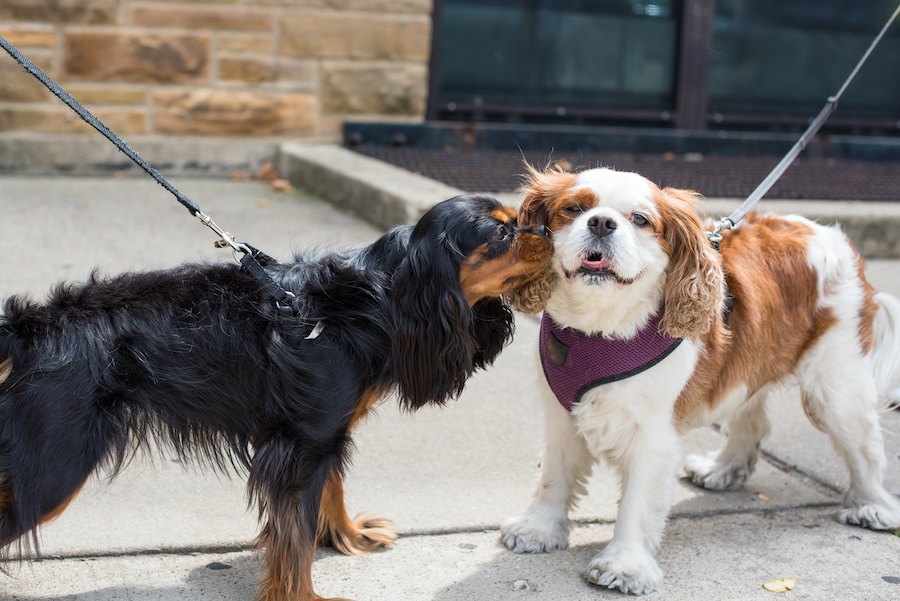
{"x": 197, "y": 359}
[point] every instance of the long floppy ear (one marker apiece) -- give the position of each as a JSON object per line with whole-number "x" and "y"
{"x": 494, "y": 325}
{"x": 540, "y": 190}
{"x": 433, "y": 346}
{"x": 695, "y": 283}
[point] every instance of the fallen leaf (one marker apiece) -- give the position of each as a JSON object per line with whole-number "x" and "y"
{"x": 281, "y": 185}
{"x": 564, "y": 165}
{"x": 762, "y": 496}
{"x": 238, "y": 176}
{"x": 263, "y": 203}
{"x": 780, "y": 585}
{"x": 266, "y": 173}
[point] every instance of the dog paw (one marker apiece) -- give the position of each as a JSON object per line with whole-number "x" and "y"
{"x": 706, "y": 471}
{"x": 535, "y": 534}
{"x": 375, "y": 531}
{"x": 630, "y": 573}
{"x": 875, "y": 517}
{"x": 363, "y": 534}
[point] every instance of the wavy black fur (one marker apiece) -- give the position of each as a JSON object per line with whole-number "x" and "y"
{"x": 198, "y": 360}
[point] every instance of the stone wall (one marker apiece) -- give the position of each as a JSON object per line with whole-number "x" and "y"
{"x": 293, "y": 68}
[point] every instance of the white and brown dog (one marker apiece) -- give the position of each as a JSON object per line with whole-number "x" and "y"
{"x": 637, "y": 348}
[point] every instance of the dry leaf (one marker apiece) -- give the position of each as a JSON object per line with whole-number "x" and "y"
{"x": 263, "y": 203}
{"x": 266, "y": 173}
{"x": 238, "y": 176}
{"x": 780, "y": 585}
{"x": 762, "y": 496}
{"x": 281, "y": 185}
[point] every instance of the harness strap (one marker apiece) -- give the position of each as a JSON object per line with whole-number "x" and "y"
{"x": 254, "y": 263}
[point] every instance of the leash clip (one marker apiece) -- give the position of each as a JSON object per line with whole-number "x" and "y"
{"x": 715, "y": 236}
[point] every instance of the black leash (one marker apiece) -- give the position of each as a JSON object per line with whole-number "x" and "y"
{"x": 253, "y": 261}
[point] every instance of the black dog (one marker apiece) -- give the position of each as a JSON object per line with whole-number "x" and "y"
{"x": 198, "y": 359}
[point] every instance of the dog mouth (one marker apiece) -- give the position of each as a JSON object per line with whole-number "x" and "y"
{"x": 596, "y": 269}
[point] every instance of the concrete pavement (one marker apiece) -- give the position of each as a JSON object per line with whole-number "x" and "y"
{"x": 448, "y": 477}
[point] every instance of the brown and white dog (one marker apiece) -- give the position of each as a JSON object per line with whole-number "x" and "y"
{"x": 628, "y": 253}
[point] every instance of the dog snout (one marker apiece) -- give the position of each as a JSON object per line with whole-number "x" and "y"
{"x": 601, "y": 226}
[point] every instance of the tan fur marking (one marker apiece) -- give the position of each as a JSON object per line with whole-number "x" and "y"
{"x": 545, "y": 194}
{"x": 287, "y": 562}
{"x": 867, "y": 311}
{"x": 5, "y": 369}
{"x": 811, "y": 414}
{"x": 504, "y": 214}
{"x": 526, "y": 259}
{"x": 57, "y": 511}
{"x": 350, "y": 536}
{"x": 775, "y": 317}
{"x": 367, "y": 400}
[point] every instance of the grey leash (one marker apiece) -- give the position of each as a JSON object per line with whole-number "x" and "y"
{"x": 727, "y": 223}
{"x": 253, "y": 260}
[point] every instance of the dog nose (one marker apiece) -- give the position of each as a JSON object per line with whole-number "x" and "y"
{"x": 602, "y": 226}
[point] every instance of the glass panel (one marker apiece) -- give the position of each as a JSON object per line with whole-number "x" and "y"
{"x": 771, "y": 56}
{"x": 587, "y": 53}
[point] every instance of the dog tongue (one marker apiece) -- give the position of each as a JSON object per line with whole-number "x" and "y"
{"x": 601, "y": 264}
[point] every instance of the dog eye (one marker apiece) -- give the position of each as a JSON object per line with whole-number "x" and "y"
{"x": 639, "y": 220}
{"x": 502, "y": 232}
{"x": 573, "y": 209}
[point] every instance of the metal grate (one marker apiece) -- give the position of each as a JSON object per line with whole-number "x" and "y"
{"x": 713, "y": 176}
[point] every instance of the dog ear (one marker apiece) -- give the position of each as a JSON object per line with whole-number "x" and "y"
{"x": 494, "y": 325}
{"x": 433, "y": 347}
{"x": 540, "y": 189}
{"x": 695, "y": 283}
{"x": 532, "y": 296}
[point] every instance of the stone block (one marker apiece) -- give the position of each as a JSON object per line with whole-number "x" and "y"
{"x": 232, "y": 112}
{"x": 136, "y": 57}
{"x": 422, "y": 7}
{"x": 296, "y": 74}
{"x": 63, "y": 120}
{"x": 201, "y": 17}
{"x": 257, "y": 43}
{"x": 200, "y": 1}
{"x": 379, "y": 88}
{"x": 17, "y": 85}
{"x": 105, "y": 94}
{"x": 29, "y": 36}
{"x": 320, "y": 34}
{"x": 88, "y": 12}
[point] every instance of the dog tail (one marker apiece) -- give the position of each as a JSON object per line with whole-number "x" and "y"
{"x": 44, "y": 460}
{"x": 886, "y": 350}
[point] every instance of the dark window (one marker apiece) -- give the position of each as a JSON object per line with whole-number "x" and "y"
{"x": 771, "y": 57}
{"x": 558, "y": 57}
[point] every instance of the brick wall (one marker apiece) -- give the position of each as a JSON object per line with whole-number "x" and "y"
{"x": 216, "y": 67}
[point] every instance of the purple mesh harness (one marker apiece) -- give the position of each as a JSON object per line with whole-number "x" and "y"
{"x": 575, "y": 362}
